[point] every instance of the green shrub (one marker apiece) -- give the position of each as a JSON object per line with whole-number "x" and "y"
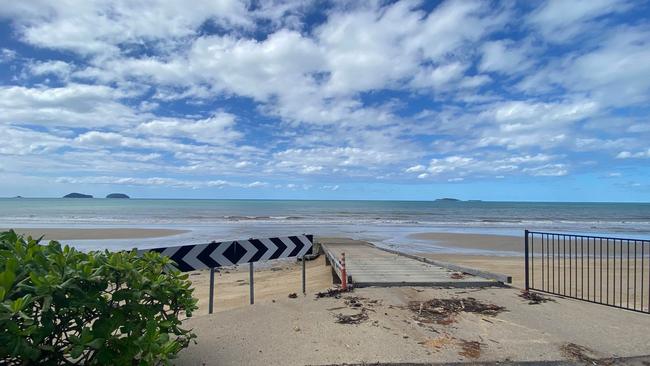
{"x": 61, "y": 306}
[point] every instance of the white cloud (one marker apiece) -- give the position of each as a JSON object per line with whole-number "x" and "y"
{"x": 548, "y": 170}
{"x": 560, "y": 20}
{"x": 55, "y": 67}
{"x": 456, "y": 168}
{"x": 633, "y": 155}
{"x": 158, "y": 181}
{"x": 504, "y": 56}
{"x": 215, "y": 130}
{"x": 100, "y": 28}
{"x": 23, "y": 141}
{"x": 71, "y": 105}
{"x": 7, "y": 55}
{"x": 416, "y": 169}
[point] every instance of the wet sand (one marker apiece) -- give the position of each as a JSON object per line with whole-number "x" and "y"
{"x": 474, "y": 241}
{"x": 96, "y": 233}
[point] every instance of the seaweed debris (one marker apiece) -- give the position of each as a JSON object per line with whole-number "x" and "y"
{"x": 444, "y": 311}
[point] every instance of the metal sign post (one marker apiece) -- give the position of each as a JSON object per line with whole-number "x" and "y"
{"x": 304, "y": 277}
{"x": 211, "y": 300}
{"x": 229, "y": 253}
{"x": 251, "y": 284}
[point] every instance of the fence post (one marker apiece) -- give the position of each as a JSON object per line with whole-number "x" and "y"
{"x": 526, "y": 254}
{"x": 211, "y": 300}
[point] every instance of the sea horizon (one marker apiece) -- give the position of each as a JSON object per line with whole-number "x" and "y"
{"x": 387, "y": 222}
{"x": 451, "y": 199}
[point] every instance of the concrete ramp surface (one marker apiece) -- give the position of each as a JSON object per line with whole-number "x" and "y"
{"x": 368, "y": 265}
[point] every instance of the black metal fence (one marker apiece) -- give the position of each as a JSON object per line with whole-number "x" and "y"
{"x": 602, "y": 270}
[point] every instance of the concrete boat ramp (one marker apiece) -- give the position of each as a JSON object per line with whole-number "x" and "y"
{"x": 367, "y": 265}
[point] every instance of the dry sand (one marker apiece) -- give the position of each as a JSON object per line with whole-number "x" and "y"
{"x": 95, "y": 233}
{"x": 304, "y": 331}
{"x": 275, "y": 281}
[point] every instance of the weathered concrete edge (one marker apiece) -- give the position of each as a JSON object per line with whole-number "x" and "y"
{"x": 454, "y": 267}
{"x": 434, "y": 284}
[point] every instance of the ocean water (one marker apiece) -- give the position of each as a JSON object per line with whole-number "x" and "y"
{"x": 384, "y": 222}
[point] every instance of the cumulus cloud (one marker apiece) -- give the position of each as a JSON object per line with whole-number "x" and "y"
{"x": 365, "y": 90}
{"x": 158, "y": 181}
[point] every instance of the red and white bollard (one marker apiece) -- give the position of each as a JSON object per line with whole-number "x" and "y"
{"x": 344, "y": 274}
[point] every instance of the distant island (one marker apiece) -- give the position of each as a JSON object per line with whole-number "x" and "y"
{"x": 447, "y": 200}
{"x": 118, "y": 195}
{"x": 77, "y": 195}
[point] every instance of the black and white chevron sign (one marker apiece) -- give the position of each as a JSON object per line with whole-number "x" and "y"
{"x": 228, "y": 253}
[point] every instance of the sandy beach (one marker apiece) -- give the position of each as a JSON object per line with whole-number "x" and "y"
{"x": 239, "y": 333}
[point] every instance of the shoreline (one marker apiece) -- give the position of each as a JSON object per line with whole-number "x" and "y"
{"x": 96, "y": 233}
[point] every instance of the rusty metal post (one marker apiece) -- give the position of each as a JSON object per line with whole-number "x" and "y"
{"x": 344, "y": 274}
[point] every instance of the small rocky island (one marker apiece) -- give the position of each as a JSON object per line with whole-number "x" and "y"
{"x": 118, "y": 195}
{"x": 447, "y": 200}
{"x": 77, "y": 195}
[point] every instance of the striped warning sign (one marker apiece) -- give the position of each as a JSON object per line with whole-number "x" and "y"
{"x": 228, "y": 253}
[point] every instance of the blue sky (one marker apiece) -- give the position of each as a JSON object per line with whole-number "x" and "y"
{"x": 326, "y": 100}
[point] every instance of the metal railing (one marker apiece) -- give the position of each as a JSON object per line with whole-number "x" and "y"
{"x": 602, "y": 270}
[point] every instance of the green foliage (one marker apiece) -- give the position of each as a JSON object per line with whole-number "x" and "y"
{"x": 59, "y": 306}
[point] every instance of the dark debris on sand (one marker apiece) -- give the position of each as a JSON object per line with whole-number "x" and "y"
{"x": 534, "y": 298}
{"x": 357, "y": 318}
{"x": 444, "y": 311}
{"x": 332, "y": 292}
{"x": 577, "y": 352}
{"x": 458, "y": 275}
{"x": 470, "y": 349}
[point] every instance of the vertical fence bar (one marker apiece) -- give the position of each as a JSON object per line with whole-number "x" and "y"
{"x": 575, "y": 261}
{"x": 614, "y": 273}
{"x": 553, "y": 258}
{"x": 532, "y": 259}
{"x": 564, "y": 262}
{"x": 570, "y": 269}
{"x": 211, "y": 299}
{"x": 542, "y": 256}
{"x": 582, "y": 269}
{"x": 250, "y": 280}
{"x": 627, "y": 285}
{"x": 588, "y": 273}
{"x": 526, "y": 276}
{"x": 620, "y": 277}
{"x": 642, "y": 271}
{"x": 600, "y": 288}
{"x": 607, "y": 282}
{"x": 635, "y": 248}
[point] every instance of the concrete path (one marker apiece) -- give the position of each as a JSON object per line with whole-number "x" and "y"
{"x": 369, "y": 266}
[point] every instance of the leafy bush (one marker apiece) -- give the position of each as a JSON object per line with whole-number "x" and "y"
{"x": 61, "y": 306}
